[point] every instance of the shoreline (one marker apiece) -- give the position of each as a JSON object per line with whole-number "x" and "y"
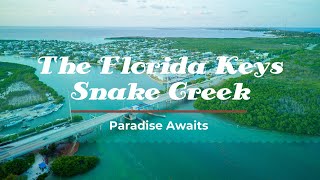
{"x": 25, "y": 96}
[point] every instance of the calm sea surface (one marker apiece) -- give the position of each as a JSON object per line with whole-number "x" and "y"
{"x": 234, "y": 151}
{"x": 97, "y": 35}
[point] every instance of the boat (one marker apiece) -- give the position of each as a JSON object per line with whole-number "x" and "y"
{"x": 13, "y": 123}
{"x": 45, "y": 113}
{"x": 29, "y": 118}
{"x": 58, "y": 107}
{"x": 25, "y": 126}
{"x": 157, "y": 115}
{"x": 130, "y": 117}
{"x": 38, "y": 107}
{"x": 9, "y": 118}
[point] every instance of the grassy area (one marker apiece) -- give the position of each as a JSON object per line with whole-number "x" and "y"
{"x": 287, "y": 102}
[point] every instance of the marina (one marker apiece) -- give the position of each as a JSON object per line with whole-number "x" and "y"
{"x": 18, "y": 116}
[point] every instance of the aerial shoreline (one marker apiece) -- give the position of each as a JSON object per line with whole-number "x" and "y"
{"x": 250, "y": 49}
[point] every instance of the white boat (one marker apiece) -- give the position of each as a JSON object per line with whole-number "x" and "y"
{"x": 25, "y": 126}
{"x": 58, "y": 107}
{"x": 12, "y": 123}
{"x": 29, "y": 118}
{"x": 157, "y": 115}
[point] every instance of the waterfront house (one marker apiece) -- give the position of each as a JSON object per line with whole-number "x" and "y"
{"x": 26, "y": 53}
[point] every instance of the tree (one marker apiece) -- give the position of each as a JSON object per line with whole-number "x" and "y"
{"x": 42, "y": 176}
{"x": 73, "y": 165}
{"x": 16, "y": 166}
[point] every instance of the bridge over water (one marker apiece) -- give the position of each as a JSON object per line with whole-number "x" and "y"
{"x": 38, "y": 141}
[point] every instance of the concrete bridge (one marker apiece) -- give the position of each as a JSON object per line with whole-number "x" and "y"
{"x": 38, "y": 141}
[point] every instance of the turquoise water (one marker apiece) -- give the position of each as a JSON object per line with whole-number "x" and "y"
{"x": 225, "y": 150}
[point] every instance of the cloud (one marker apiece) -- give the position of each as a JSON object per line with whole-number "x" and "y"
{"x": 142, "y": 7}
{"x": 171, "y": 7}
{"x": 240, "y": 12}
{"x": 205, "y": 12}
{"x": 153, "y": 6}
{"x": 185, "y": 12}
{"x": 142, "y": 1}
{"x": 121, "y": 1}
{"x": 200, "y": 7}
{"x": 159, "y": 7}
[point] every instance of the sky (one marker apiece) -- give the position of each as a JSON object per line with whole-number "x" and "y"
{"x": 161, "y": 13}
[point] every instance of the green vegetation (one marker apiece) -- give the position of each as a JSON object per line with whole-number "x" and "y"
{"x": 196, "y": 81}
{"x": 241, "y": 46}
{"x": 73, "y": 165}
{"x": 42, "y": 176}
{"x": 199, "y": 80}
{"x": 288, "y": 102}
{"x": 48, "y": 151}
{"x": 76, "y": 118}
{"x": 11, "y": 73}
{"x": 273, "y": 31}
{"x": 119, "y": 67}
{"x": 282, "y": 33}
{"x": 16, "y": 177}
{"x": 16, "y": 166}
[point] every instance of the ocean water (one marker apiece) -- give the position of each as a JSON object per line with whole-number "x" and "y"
{"x": 221, "y": 130}
{"x": 225, "y": 151}
{"x": 314, "y": 30}
{"x": 97, "y": 34}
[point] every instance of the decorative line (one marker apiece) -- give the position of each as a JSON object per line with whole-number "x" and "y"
{"x": 162, "y": 111}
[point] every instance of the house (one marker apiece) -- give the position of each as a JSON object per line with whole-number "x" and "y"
{"x": 26, "y": 53}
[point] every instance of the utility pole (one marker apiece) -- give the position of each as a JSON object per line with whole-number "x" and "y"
{"x": 69, "y": 106}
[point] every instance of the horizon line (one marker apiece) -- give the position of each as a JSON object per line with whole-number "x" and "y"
{"x": 196, "y": 27}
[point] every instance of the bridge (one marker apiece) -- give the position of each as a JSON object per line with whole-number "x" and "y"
{"x": 38, "y": 141}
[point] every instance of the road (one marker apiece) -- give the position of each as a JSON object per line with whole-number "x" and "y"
{"x": 38, "y": 141}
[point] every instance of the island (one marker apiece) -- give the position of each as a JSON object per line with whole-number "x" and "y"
{"x": 73, "y": 165}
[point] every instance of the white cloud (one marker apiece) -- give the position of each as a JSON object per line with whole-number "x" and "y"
{"x": 160, "y": 12}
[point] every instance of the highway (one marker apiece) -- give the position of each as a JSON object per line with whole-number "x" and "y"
{"x": 38, "y": 141}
